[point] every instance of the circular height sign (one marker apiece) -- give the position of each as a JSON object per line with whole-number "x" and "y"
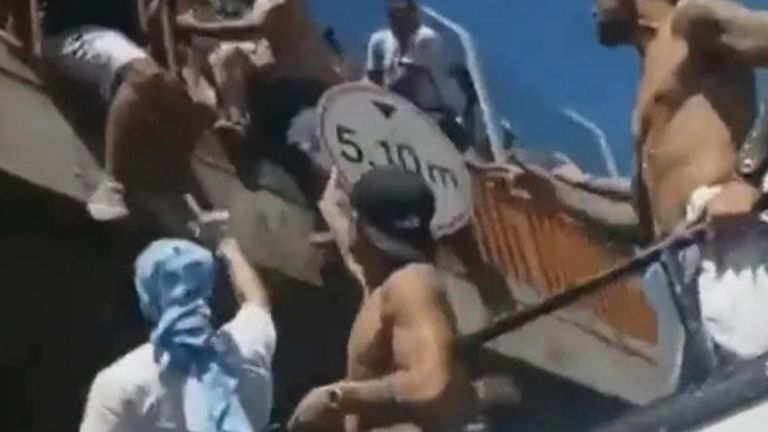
{"x": 364, "y": 126}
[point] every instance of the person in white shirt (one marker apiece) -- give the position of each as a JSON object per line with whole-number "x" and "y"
{"x": 190, "y": 377}
{"x": 408, "y": 59}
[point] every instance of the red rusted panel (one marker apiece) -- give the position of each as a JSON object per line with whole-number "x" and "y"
{"x": 531, "y": 242}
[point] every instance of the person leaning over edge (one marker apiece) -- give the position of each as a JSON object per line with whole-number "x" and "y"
{"x": 151, "y": 125}
{"x": 190, "y": 377}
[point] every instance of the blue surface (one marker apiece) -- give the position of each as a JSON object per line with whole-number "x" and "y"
{"x": 540, "y": 56}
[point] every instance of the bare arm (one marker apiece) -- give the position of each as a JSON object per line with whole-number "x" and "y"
{"x": 422, "y": 340}
{"x": 726, "y": 28}
{"x": 246, "y": 282}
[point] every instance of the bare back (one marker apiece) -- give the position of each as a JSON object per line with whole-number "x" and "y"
{"x": 384, "y": 342}
{"x": 692, "y": 114}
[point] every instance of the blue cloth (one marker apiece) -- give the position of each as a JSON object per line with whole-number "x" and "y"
{"x": 174, "y": 280}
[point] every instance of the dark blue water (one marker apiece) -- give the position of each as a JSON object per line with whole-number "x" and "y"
{"x": 540, "y": 57}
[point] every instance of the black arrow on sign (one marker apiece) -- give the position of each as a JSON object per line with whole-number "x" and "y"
{"x": 385, "y": 108}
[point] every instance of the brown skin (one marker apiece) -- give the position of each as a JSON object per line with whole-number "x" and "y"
{"x": 152, "y": 128}
{"x": 403, "y": 18}
{"x": 403, "y": 374}
{"x": 248, "y": 286}
{"x": 695, "y": 106}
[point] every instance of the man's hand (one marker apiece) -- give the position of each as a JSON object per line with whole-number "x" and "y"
{"x": 208, "y": 226}
{"x": 316, "y": 413}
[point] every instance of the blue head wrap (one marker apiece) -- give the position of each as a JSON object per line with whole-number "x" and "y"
{"x": 174, "y": 280}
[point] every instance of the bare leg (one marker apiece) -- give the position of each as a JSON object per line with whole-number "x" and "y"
{"x": 125, "y": 112}
{"x": 199, "y": 77}
{"x": 230, "y": 71}
{"x": 491, "y": 284}
{"x": 232, "y": 65}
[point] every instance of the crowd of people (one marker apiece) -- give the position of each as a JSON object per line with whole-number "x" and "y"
{"x": 190, "y": 376}
{"x": 695, "y": 108}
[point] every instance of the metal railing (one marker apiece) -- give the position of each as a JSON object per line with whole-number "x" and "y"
{"x": 474, "y": 66}
{"x": 546, "y": 251}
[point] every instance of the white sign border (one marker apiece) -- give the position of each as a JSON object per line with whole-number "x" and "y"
{"x": 457, "y": 222}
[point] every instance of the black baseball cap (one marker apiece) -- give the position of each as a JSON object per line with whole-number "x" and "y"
{"x": 395, "y": 208}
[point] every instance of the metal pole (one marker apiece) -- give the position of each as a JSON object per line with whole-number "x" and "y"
{"x": 513, "y": 321}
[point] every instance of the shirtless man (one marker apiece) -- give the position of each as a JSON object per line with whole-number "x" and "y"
{"x": 151, "y": 126}
{"x": 403, "y": 374}
{"x": 695, "y": 107}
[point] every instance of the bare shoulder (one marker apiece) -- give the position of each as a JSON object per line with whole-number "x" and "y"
{"x": 694, "y": 16}
{"x": 413, "y": 283}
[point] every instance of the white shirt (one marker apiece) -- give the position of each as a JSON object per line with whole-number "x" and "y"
{"x": 733, "y": 282}
{"x": 128, "y": 396}
{"x": 424, "y": 49}
{"x": 105, "y": 48}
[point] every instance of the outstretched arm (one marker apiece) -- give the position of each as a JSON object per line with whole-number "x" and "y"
{"x": 246, "y": 282}
{"x": 724, "y": 28}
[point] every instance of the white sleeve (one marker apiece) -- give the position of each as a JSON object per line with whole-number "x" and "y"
{"x": 253, "y": 331}
{"x": 427, "y": 52}
{"x": 105, "y": 410}
{"x": 375, "y": 54}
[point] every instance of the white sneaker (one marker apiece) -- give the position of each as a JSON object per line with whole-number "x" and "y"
{"x": 107, "y": 204}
